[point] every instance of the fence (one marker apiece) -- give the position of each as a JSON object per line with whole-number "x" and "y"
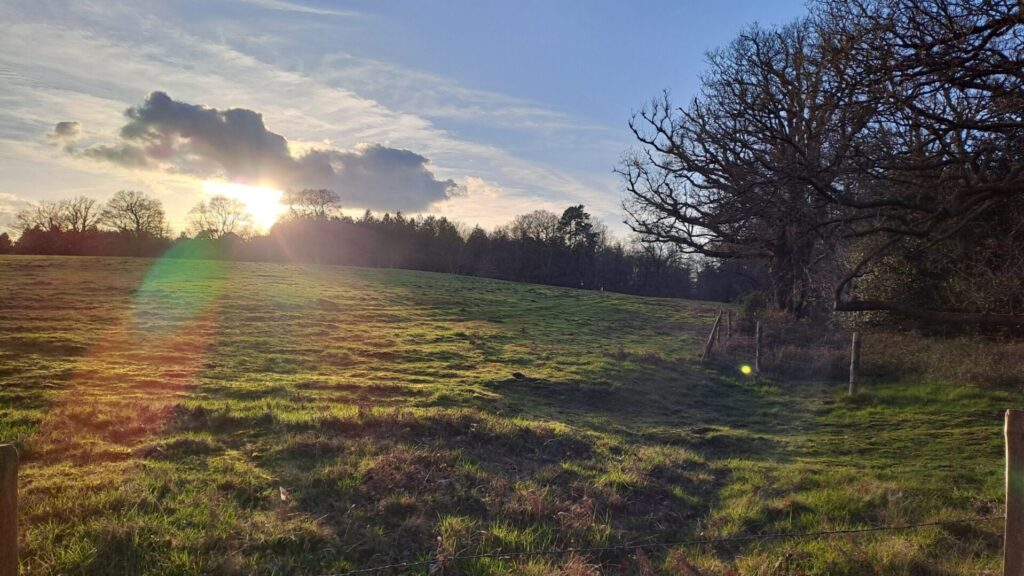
{"x": 785, "y": 350}
{"x": 8, "y": 510}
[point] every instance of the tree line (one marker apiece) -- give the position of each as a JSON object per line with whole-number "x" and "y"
{"x": 869, "y": 157}
{"x": 568, "y": 249}
{"x": 129, "y": 224}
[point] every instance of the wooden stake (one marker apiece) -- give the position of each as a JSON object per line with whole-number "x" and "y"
{"x": 757, "y": 349}
{"x": 711, "y": 339}
{"x": 8, "y": 510}
{"x": 854, "y": 362}
{"x": 728, "y": 326}
{"x": 718, "y": 329}
{"x": 1013, "y": 539}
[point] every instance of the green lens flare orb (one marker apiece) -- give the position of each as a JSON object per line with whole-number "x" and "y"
{"x": 746, "y": 369}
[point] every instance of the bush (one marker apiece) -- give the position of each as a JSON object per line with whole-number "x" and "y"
{"x": 752, "y": 307}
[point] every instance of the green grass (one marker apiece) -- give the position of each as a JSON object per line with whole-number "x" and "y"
{"x": 182, "y": 417}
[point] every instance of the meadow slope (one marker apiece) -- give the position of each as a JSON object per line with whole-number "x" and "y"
{"x": 182, "y": 417}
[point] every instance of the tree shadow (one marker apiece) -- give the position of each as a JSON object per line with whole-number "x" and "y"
{"x": 683, "y": 405}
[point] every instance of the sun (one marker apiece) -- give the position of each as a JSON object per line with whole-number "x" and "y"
{"x": 262, "y": 202}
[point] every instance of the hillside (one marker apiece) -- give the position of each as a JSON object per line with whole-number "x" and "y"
{"x": 180, "y": 417}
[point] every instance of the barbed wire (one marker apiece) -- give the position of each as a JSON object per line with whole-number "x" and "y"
{"x": 651, "y": 545}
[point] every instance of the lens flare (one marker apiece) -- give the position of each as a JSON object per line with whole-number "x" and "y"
{"x": 746, "y": 369}
{"x": 178, "y": 288}
{"x": 152, "y": 351}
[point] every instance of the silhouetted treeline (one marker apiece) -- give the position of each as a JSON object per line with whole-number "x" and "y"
{"x": 570, "y": 249}
{"x": 129, "y": 224}
{"x": 88, "y": 243}
{"x": 540, "y": 247}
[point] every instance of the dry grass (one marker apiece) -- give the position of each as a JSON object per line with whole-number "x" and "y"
{"x": 803, "y": 350}
{"x": 958, "y": 361}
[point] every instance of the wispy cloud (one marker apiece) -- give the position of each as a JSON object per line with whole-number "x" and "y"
{"x": 89, "y": 72}
{"x": 297, "y": 8}
{"x": 438, "y": 97}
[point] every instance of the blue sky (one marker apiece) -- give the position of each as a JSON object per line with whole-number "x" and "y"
{"x": 521, "y": 105}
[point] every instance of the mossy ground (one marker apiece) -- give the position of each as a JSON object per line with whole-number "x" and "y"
{"x": 182, "y": 417}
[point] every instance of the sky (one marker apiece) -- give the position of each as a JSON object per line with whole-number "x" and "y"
{"x": 473, "y": 110}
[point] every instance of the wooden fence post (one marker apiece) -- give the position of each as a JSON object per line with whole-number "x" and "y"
{"x": 1013, "y": 539}
{"x": 718, "y": 328}
{"x": 854, "y": 362}
{"x": 728, "y": 326}
{"x": 757, "y": 349}
{"x": 711, "y": 339}
{"x": 8, "y": 510}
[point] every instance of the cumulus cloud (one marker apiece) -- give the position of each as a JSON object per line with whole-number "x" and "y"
{"x": 179, "y": 137}
{"x": 376, "y": 176}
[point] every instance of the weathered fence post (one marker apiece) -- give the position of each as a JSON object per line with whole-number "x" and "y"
{"x": 711, "y": 339}
{"x": 718, "y": 328}
{"x": 1013, "y": 539}
{"x": 854, "y": 362}
{"x": 757, "y": 348}
{"x": 8, "y": 510}
{"x": 728, "y": 329}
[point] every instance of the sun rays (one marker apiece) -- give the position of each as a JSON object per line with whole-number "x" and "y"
{"x": 262, "y": 202}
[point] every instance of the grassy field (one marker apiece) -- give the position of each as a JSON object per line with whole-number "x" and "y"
{"x": 182, "y": 417}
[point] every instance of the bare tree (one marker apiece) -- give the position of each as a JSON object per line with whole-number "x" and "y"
{"x": 81, "y": 214}
{"x": 134, "y": 213}
{"x": 309, "y": 203}
{"x": 218, "y": 217}
{"x": 752, "y": 168}
{"x": 878, "y": 130}
{"x": 948, "y": 76}
{"x": 539, "y": 225}
{"x": 46, "y": 215}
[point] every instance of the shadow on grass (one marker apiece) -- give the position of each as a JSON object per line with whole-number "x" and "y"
{"x": 546, "y": 464}
{"x": 383, "y": 484}
{"x": 681, "y": 405}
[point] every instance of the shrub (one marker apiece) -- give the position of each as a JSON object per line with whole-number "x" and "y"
{"x": 752, "y": 307}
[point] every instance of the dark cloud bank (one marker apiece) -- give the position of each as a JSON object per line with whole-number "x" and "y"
{"x": 166, "y": 134}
